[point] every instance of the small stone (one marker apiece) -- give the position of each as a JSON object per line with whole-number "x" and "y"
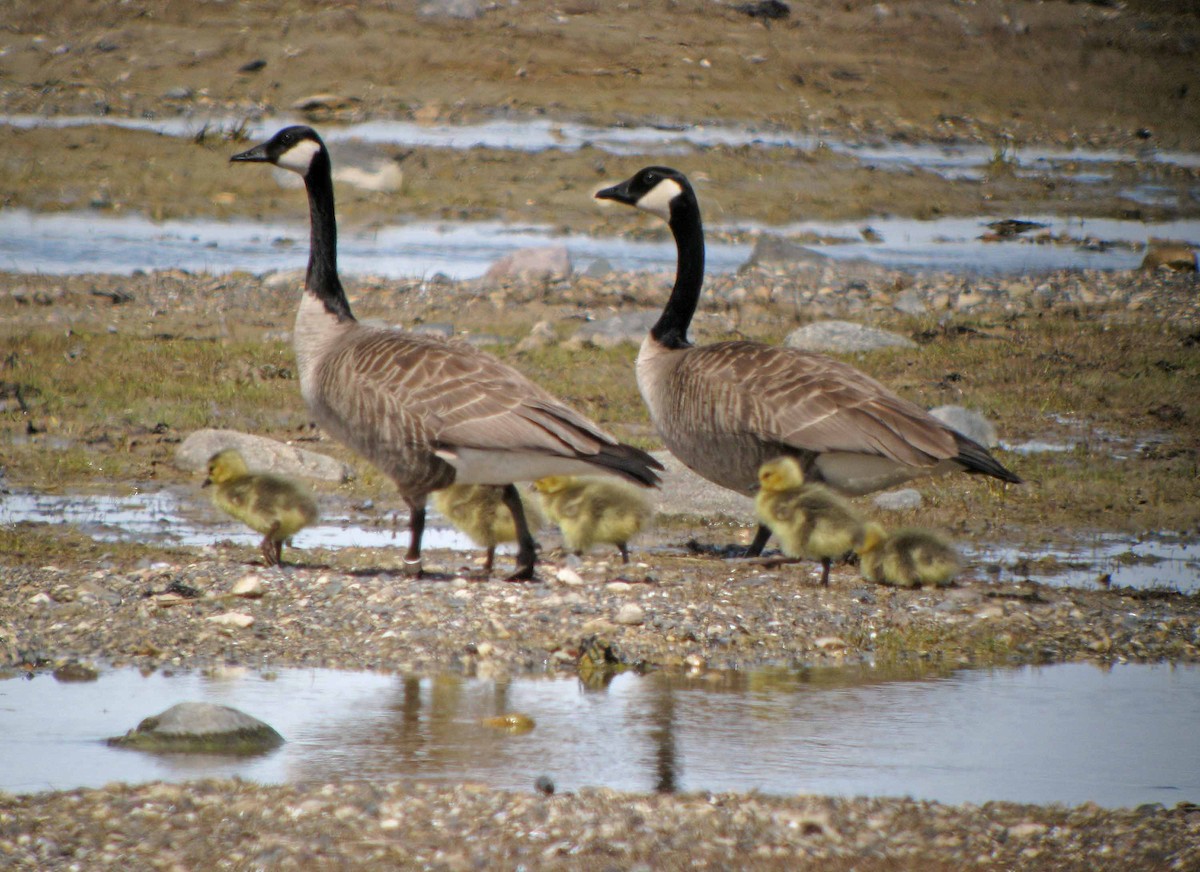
{"x": 844, "y": 336}
{"x": 201, "y": 727}
{"x": 240, "y": 620}
{"x": 898, "y": 500}
{"x": 568, "y": 576}
{"x": 630, "y": 615}
{"x": 249, "y": 586}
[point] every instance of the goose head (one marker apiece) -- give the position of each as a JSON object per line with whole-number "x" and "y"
{"x": 296, "y": 148}
{"x": 657, "y": 190}
{"x": 780, "y": 474}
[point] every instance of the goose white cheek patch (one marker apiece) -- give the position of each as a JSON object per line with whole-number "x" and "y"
{"x": 657, "y": 201}
{"x": 299, "y": 156}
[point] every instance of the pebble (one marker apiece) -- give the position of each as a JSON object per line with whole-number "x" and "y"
{"x": 630, "y": 614}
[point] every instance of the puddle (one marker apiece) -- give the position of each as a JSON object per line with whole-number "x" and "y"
{"x": 1157, "y": 563}
{"x": 1117, "y": 737}
{"x": 78, "y": 242}
{"x": 962, "y": 161}
{"x": 171, "y": 518}
{"x": 180, "y": 518}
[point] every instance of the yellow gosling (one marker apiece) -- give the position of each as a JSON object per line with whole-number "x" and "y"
{"x": 271, "y": 505}
{"x": 479, "y": 511}
{"x": 809, "y": 520}
{"x": 907, "y": 558}
{"x": 590, "y": 510}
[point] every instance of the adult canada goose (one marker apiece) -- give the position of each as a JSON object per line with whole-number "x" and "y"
{"x": 907, "y": 558}
{"x": 427, "y": 412}
{"x": 591, "y": 510}
{"x": 270, "y": 504}
{"x": 479, "y": 511}
{"x": 808, "y": 519}
{"x": 726, "y": 408}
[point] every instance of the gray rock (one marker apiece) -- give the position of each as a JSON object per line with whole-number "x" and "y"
{"x": 898, "y": 500}
{"x": 461, "y": 9}
{"x": 685, "y": 493}
{"x": 201, "y": 728}
{"x": 598, "y": 268}
{"x": 261, "y": 454}
{"x": 911, "y": 302}
{"x": 844, "y": 336}
{"x": 776, "y": 249}
{"x": 969, "y": 423}
{"x": 630, "y": 327}
{"x": 546, "y": 263}
{"x": 540, "y": 335}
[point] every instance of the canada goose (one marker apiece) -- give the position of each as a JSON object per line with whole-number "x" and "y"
{"x": 907, "y": 558}
{"x": 479, "y": 511}
{"x": 591, "y": 510}
{"x": 724, "y": 409}
{"x": 271, "y": 505}
{"x": 427, "y": 412}
{"x": 809, "y": 520}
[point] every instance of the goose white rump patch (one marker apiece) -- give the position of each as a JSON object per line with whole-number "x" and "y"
{"x": 478, "y": 466}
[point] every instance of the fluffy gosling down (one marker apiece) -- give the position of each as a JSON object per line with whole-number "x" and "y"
{"x": 479, "y": 511}
{"x": 591, "y": 510}
{"x": 907, "y": 558}
{"x": 809, "y": 520}
{"x": 271, "y": 505}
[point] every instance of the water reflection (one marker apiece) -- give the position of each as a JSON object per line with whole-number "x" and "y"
{"x": 1068, "y": 733}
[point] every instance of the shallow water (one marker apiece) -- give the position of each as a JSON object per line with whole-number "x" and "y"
{"x": 954, "y": 161}
{"x": 85, "y": 242}
{"x": 182, "y": 518}
{"x": 1068, "y": 733}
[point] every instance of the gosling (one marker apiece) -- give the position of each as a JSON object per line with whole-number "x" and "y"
{"x": 590, "y": 510}
{"x": 269, "y": 504}
{"x": 907, "y": 558}
{"x": 479, "y": 511}
{"x": 809, "y": 520}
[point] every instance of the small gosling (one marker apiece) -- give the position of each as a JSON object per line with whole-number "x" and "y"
{"x": 809, "y": 520}
{"x": 271, "y": 505}
{"x": 590, "y": 510}
{"x": 907, "y": 558}
{"x": 479, "y": 511}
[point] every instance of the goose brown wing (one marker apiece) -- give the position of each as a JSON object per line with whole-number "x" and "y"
{"x": 815, "y": 403}
{"x": 421, "y": 391}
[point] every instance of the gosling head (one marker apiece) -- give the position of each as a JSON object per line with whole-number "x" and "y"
{"x": 873, "y": 536}
{"x": 657, "y": 190}
{"x": 552, "y": 484}
{"x": 225, "y": 466}
{"x": 297, "y": 148}
{"x": 782, "y": 473}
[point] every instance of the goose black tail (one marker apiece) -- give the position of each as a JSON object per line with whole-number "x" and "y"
{"x": 629, "y": 462}
{"x": 978, "y": 459}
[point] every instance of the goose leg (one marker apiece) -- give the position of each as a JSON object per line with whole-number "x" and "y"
{"x": 760, "y": 541}
{"x": 526, "y": 547}
{"x": 416, "y": 528}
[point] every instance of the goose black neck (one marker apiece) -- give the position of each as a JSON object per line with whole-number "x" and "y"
{"x": 672, "y": 326}
{"x": 322, "y": 276}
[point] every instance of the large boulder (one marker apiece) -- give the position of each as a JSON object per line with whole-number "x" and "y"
{"x": 201, "y": 728}
{"x": 261, "y": 454}
{"x": 844, "y": 337}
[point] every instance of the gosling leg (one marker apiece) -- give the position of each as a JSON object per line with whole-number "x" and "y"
{"x": 825, "y": 562}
